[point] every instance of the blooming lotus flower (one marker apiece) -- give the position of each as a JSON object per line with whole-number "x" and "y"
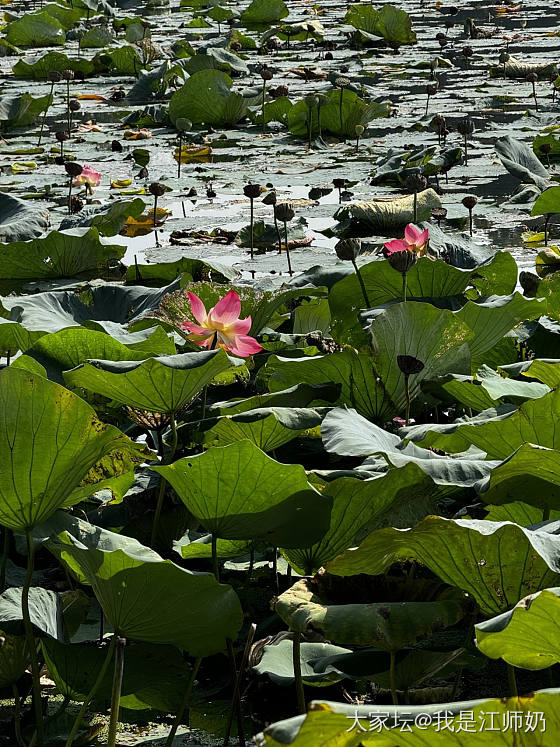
{"x": 414, "y": 240}
{"x": 221, "y": 326}
{"x": 89, "y": 177}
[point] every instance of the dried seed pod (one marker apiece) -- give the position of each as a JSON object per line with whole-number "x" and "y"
{"x": 54, "y": 76}
{"x": 157, "y": 189}
{"x": 409, "y": 365}
{"x": 284, "y": 211}
{"x": 72, "y": 168}
{"x": 266, "y": 73}
{"x": 252, "y": 191}
{"x": 67, "y": 74}
{"x": 415, "y": 182}
{"x": 270, "y": 198}
{"x": 469, "y": 201}
{"x": 116, "y": 147}
{"x": 75, "y": 105}
{"x": 402, "y": 261}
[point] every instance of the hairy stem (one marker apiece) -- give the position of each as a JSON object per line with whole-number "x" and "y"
{"x": 116, "y": 694}
{"x": 184, "y": 705}
{"x": 31, "y": 644}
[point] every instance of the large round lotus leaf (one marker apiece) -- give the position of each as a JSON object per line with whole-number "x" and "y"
{"x": 435, "y": 725}
{"x": 264, "y": 11}
{"x": 20, "y": 221}
{"x": 206, "y": 97}
{"x": 547, "y": 202}
{"x": 38, "y": 68}
{"x": 527, "y": 635}
{"x": 156, "y": 601}
{"x": 532, "y": 474}
{"x": 38, "y": 29}
{"x": 14, "y": 658}
{"x": 398, "y": 498}
{"x": 389, "y": 214}
{"x": 49, "y": 439}
{"x": 163, "y": 384}
{"x": 58, "y": 255}
{"x": 391, "y": 23}
{"x": 46, "y": 611}
{"x": 68, "y": 348}
{"x": 388, "y": 626}
{"x": 154, "y": 676}
{"x": 22, "y": 110}
{"x": 238, "y": 492}
{"x": 497, "y": 563}
{"x": 278, "y": 664}
{"x": 266, "y": 427}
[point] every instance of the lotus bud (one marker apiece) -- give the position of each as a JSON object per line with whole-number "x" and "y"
{"x": 359, "y": 130}
{"x": 54, "y": 76}
{"x": 310, "y": 101}
{"x": 61, "y": 136}
{"x": 252, "y": 191}
{"x": 348, "y": 249}
{"x": 402, "y": 261}
{"x": 266, "y": 73}
{"x": 409, "y": 365}
{"x": 503, "y": 58}
{"x": 67, "y": 75}
{"x": 532, "y": 78}
{"x": 75, "y": 105}
{"x": 182, "y": 124}
{"x": 284, "y": 211}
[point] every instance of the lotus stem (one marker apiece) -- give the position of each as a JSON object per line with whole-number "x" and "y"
{"x": 116, "y": 694}
{"x": 290, "y": 272}
{"x": 17, "y": 716}
{"x": 340, "y": 102}
{"x": 30, "y": 638}
{"x": 512, "y": 682}
{"x": 161, "y": 493}
{"x": 319, "y": 134}
{"x": 392, "y": 678}
{"x": 470, "y": 221}
{"x": 279, "y": 236}
{"x": 309, "y": 123}
{"x": 407, "y": 396}
{"x": 235, "y": 699}
{"x": 535, "y": 97}
{"x": 298, "y": 681}
{"x": 404, "y": 288}
{"x": 91, "y": 694}
{"x": 427, "y": 105}
{"x": 275, "y": 569}
{"x": 5, "y": 552}
{"x": 180, "y": 154}
{"x": 68, "y": 112}
{"x": 252, "y": 231}
{"x": 185, "y": 704}
{"x": 547, "y": 218}
{"x": 70, "y": 195}
{"x": 415, "y": 208}
{"x": 263, "y": 98}
{"x": 45, "y": 114}
{"x": 465, "y": 140}
{"x": 546, "y": 513}
{"x": 155, "y": 215}
{"x": 215, "y": 563}
{"x": 362, "y": 284}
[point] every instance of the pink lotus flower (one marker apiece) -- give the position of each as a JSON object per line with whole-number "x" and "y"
{"x": 414, "y": 240}
{"x": 89, "y": 176}
{"x": 221, "y": 326}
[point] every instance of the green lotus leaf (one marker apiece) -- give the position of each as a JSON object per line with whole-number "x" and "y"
{"x": 355, "y": 111}
{"x": 14, "y": 657}
{"x": 434, "y": 336}
{"x": 154, "y": 675}
{"x": 50, "y": 439}
{"x": 134, "y": 594}
{"x": 389, "y": 626}
{"x": 531, "y": 474}
{"x": 266, "y": 427}
{"x": 386, "y": 214}
{"x": 238, "y": 492}
{"x": 124, "y": 60}
{"x": 108, "y": 220}
{"x": 68, "y": 348}
{"x": 58, "y": 255}
{"x": 201, "y": 547}
{"x": 264, "y": 12}
{"x": 96, "y": 37}
{"x": 277, "y": 663}
{"x": 547, "y": 371}
{"x": 46, "y": 611}
{"x": 518, "y": 158}
{"x": 398, "y": 498}
{"x": 190, "y": 270}
{"x": 329, "y": 722}
{"x": 38, "y": 68}
{"x": 206, "y": 97}
{"x": 39, "y": 29}
{"x": 497, "y": 563}
{"x": 300, "y": 395}
{"x": 527, "y": 635}
{"x": 520, "y": 69}
{"x": 20, "y": 221}
{"x": 389, "y": 22}
{"x": 499, "y": 437}
{"x": 347, "y": 433}
{"x": 161, "y": 384}
{"x": 22, "y": 110}
{"x": 14, "y": 337}
{"x": 106, "y": 307}
{"x": 547, "y": 202}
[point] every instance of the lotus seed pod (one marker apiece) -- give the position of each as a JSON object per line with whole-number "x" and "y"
{"x": 182, "y": 124}
{"x": 54, "y": 76}
{"x": 402, "y": 261}
{"x": 469, "y": 201}
{"x": 465, "y": 126}
{"x": 157, "y": 189}
{"x": 532, "y": 78}
{"x": 342, "y": 82}
{"x": 409, "y": 365}
{"x": 431, "y": 89}
{"x": 310, "y": 101}
{"x": 75, "y": 105}
{"x": 359, "y": 130}
{"x": 61, "y": 136}
{"x": 72, "y": 168}
{"x": 270, "y": 198}
{"x": 415, "y": 182}
{"x": 284, "y": 211}
{"x": 339, "y": 183}
{"x": 439, "y": 213}
{"x": 348, "y": 249}
{"x": 503, "y": 58}
{"x": 252, "y": 191}
{"x": 468, "y": 51}
{"x": 68, "y": 74}
{"x": 266, "y": 73}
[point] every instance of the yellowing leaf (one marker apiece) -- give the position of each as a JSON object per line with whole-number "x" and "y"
{"x": 142, "y": 225}
{"x": 133, "y": 191}
{"x": 142, "y": 134}
{"x": 21, "y": 167}
{"x": 91, "y": 97}
{"x": 120, "y": 183}
{"x": 193, "y": 153}
{"x": 532, "y": 238}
